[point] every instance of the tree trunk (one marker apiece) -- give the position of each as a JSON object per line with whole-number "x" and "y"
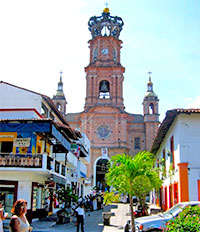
{"x": 132, "y": 215}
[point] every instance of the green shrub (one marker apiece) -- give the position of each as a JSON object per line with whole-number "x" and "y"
{"x": 110, "y": 197}
{"x": 187, "y": 220}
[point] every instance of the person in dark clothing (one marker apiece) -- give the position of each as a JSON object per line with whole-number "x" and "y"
{"x": 80, "y": 214}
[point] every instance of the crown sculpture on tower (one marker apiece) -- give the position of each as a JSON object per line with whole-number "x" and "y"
{"x": 109, "y": 25}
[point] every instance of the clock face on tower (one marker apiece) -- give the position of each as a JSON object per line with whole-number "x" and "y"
{"x": 103, "y": 131}
{"x": 105, "y": 51}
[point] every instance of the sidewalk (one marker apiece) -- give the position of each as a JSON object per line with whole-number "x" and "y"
{"x": 93, "y": 221}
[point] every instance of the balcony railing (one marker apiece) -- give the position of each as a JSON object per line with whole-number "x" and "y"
{"x": 42, "y": 161}
{"x": 19, "y": 160}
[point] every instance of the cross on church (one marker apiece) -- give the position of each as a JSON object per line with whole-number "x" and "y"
{"x": 149, "y": 72}
{"x": 106, "y": 4}
{"x": 61, "y": 75}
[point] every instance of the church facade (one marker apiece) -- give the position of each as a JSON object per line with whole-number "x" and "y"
{"x": 110, "y": 129}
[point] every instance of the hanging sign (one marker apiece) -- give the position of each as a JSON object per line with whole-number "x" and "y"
{"x": 21, "y": 142}
{"x": 73, "y": 147}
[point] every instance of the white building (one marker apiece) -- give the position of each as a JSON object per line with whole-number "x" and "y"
{"x": 35, "y": 149}
{"x": 177, "y": 149}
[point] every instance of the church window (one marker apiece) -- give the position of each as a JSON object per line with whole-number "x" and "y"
{"x": 95, "y": 53}
{"x": 104, "y": 89}
{"x": 137, "y": 143}
{"x": 59, "y": 106}
{"x": 151, "y": 108}
{"x": 114, "y": 54}
{"x": 150, "y": 88}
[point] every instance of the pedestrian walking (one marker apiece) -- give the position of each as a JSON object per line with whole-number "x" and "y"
{"x": 80, "y": 214}
{"x": 19, "y": 222}
{"x": 98, "y": 201}
{"x": 3, "y": 216}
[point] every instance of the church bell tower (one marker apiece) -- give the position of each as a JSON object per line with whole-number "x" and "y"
{"x": 104, "y": 74}
{"x": 151, "y": 113}
{"x": 59, "y": 99}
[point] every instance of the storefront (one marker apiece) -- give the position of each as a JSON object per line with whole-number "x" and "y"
{"x": 8, "y": 194}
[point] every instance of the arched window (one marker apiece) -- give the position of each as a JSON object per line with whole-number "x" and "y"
{"x": 95, "y": 53}
{"x": 114, "y": 54}
{"x": 104, "y": 89}
{"x": 151, "y": 108}
{"x": 58, "y": 106}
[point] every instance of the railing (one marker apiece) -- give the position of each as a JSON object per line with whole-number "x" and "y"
{"x": 32, "y": 161}
{"x": 19, "y": 160}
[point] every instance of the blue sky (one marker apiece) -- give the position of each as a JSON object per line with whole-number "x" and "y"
{"x": 41, "y": 37}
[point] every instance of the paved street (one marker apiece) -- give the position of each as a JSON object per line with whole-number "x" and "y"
{"x": 93, "y": 221}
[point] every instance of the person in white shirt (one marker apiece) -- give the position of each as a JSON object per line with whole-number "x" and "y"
{"x": 2, "y": 216}
{"x": 80, "y": 214}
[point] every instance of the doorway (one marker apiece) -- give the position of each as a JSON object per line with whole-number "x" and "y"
{"x": 101, "y": 169}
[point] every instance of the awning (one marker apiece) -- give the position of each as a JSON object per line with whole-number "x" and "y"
{"x": 83, "y": 174}
{"x": 27, "y": 127}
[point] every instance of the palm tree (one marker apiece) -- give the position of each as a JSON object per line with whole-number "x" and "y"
{"x": 125, "y": 170}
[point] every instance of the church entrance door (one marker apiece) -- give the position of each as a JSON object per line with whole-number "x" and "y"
{"x": 101, "y": 169}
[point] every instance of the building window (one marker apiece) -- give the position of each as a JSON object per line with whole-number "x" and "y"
{"x": 44, "y": 111}
{"x": 163, "y": 161}
{"x": 172, "y": 152}
{"x": 6, "y": 147}
{"x": 137, "y": 143}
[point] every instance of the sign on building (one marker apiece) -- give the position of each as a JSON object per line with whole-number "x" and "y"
{"x": 104, "y": 152}
{"x": 73, "y": 147}
{"x": 21, "y": 142}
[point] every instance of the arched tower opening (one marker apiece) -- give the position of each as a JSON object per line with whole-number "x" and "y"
{"x": 104, "y": 89}
{"x": 58, "y": 105}
{"x": 151, "y": 108}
